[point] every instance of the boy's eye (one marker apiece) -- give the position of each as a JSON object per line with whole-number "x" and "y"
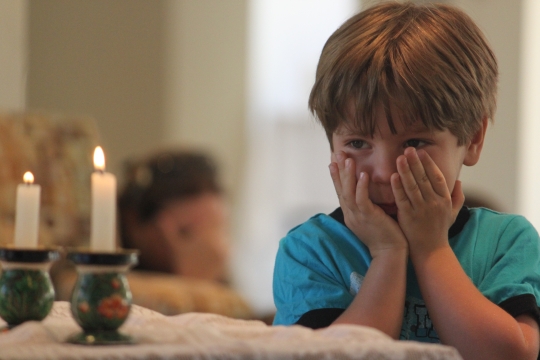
{"x": 414, "y": 143}
{"x": 357, "y": 144}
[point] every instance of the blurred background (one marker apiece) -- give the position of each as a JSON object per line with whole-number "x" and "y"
{"x": 232, "y": 77}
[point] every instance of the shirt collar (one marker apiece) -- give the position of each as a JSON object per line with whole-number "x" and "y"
{"x": 461, "y": 219}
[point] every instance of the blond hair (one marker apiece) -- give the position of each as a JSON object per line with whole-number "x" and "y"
{"x": 423, "y": 62}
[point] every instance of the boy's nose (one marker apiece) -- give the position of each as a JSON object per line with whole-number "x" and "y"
{"x": 384, "y": 165}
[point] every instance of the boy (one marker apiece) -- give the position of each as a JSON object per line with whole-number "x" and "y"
{"x": 404, "y": 93}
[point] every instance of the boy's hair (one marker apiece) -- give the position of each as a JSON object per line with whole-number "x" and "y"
{"x": 417, "y": 62}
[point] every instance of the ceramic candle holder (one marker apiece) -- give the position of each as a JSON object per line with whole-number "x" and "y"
{"x": 101, "y": 298}
{"x": 26, "y": 290}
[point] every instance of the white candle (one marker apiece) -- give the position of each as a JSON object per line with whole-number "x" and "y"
{"x": 27, "y": 213}
{"x": 102, "y": 235}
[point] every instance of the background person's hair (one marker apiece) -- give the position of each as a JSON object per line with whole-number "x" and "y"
{"x": 417, "y": 62}
{"x": 151, "y": 183}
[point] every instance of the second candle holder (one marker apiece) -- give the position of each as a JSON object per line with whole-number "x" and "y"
{"x": 101, "y": 298}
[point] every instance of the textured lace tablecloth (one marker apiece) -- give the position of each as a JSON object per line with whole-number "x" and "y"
{"x": 208, "y": 336}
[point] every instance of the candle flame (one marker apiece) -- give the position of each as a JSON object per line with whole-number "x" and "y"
{"x": 28, "y": 177}
{"x": 99, "y": 159}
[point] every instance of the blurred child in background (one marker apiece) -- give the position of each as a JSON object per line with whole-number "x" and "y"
{"x": 173, "y": 210}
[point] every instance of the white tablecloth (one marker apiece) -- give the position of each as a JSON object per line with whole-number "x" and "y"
{"x": 208, "y": 336}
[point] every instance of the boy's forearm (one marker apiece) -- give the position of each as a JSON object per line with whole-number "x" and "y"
{"x": 466, "y": 319}
{"x": 380, "y": 300}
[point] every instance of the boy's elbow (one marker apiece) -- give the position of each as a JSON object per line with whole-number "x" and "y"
{"x": 520, "y": 342}
{"x": 525, "y": 344}
{"x": 522, "y": 350}
{"x": 507, "y": 348}
{"x": 529, "y": 350}
{"x": 529, "y": 346}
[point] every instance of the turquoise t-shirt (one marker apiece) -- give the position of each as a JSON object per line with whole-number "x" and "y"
{"x": 321, "y": 265}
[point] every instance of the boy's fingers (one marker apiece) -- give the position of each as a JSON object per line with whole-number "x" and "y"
{"x": 434, "y": 174}
{"x": 418, "y": 170}
{"x": 348, "y": 182}
{"x": 407, "y": 180}
{"x": 400, "y": 195}
{"x": 362, "y": 192}
{"x": 334, "y": 174}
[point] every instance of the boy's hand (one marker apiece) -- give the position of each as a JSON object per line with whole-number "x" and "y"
{"x": 426, "y": 210}
{"x": 366, "y": 220}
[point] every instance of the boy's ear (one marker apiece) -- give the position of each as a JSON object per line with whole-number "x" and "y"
{"x": 474, "y": 148}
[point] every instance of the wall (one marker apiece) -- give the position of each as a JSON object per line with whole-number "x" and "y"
{"x": 495, "y": 177}
{"x": 13, "y": 54}
{"x": 205, "y": 80}
{"x": 152, "y": 73}
{"x": 104, "y": 59}
{"x": 529, "y": 127}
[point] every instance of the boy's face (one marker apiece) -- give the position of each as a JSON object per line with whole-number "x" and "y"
{"x": 377, "y": 155}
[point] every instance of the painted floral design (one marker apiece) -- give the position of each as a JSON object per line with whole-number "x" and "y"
{"x": 25, "y": 295}
{"x": 113, "y": 307}
{"x": 101, "y": 301}
{"x": 84, "y": 307}
{"x": 115, "y": 283}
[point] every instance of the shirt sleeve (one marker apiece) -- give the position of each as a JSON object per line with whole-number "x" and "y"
{"x": 521, "y": 305}
{"x": 319, "y": 318}
{"x": 306, "y": 278}
{"x": 515, "y": 266}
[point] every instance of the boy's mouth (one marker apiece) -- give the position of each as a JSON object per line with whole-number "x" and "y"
{"x": 389, "y": 209}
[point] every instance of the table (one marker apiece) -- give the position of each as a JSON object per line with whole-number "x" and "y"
{"x": 209, "y": 336}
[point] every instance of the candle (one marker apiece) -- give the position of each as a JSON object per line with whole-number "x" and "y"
{"x": 102, "y": 234}
{"x": 27, "y": 213}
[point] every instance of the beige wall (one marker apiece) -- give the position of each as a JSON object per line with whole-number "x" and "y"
{"x": 495, "y": 176}
{"x": 152, "y": 73}
{"x": 528, "y": 192}
{"x": 205, "y": 83}
{"x": 104, "y": 59}
{"x": 13, "y": 54}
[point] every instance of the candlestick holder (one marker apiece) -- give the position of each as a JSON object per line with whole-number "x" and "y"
{"x": 101, "y": 298}
{"x": 26, "y": 290}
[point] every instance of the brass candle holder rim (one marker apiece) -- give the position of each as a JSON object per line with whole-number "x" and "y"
{"x": 40, "y": 254}
{"x": 84, "y": 256}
